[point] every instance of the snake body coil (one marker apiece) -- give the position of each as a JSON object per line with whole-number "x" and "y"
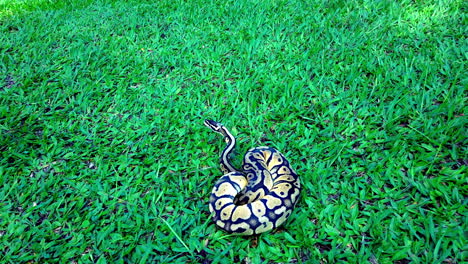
{"x": 257, "y": 198}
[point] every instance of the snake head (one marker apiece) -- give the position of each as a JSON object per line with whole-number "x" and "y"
{"x": 215, "y": 126}
{"x": 218, "y": 128}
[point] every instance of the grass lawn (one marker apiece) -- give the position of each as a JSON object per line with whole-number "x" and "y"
{"x": 104, "y": 157}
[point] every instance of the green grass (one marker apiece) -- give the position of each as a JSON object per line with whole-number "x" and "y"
{"x": 104, "y": 156}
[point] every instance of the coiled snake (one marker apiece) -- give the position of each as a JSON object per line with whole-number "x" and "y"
{"x": 257, "y": 198}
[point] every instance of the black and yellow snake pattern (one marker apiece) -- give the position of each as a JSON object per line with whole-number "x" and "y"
{"x": 257, "y": 198}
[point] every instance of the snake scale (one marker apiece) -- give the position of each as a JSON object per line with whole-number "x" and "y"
{"x": 258, "y": 198}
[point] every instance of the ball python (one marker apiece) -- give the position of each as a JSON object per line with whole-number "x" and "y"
{"x": 258, "y": 198}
